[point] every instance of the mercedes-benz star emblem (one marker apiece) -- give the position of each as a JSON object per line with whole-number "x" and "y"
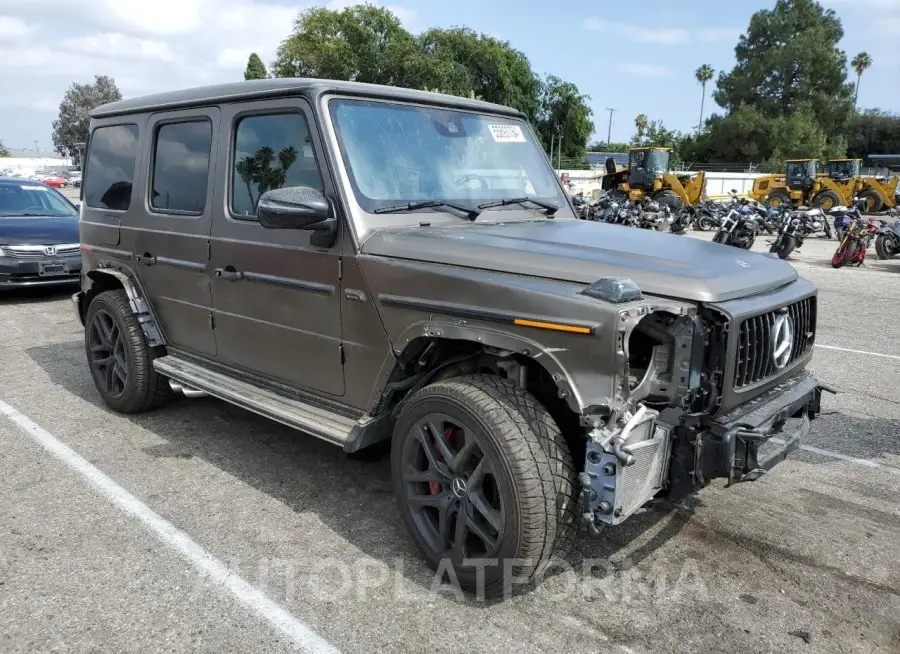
{"x": 782, "y": 340}
{"x": 458, "y": 486}
{"x": 49, "y": 250}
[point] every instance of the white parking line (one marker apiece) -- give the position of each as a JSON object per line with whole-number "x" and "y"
{"x": 868, "y": 463}
{"x": 296, "y": 630}
{"x": 871, "y": 354}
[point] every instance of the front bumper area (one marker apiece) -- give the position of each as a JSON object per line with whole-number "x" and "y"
{"x": 739, "y": 445}
{"x": 49, "y": 271}
{"x": 673, "y": 454}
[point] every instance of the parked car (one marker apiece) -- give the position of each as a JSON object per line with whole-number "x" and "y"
{"x": 55, "y": 181}
{"x": 38, "y": 235}
{"x": 303, "y": 249}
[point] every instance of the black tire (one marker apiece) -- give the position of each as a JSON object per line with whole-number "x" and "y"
{"x": 826, "y": 201}
{"x": 777, "y": 198}
{"x": 721, "y": 237}
{"x": 669, "y": 197}
{"x": 874, "y": 201}
{"x": 534, "y": 480}
{"x": 844, "y": 254}
{"x": 123, "y": 342}
{"x": 705, "y": 223}
{"x": 885, "y": 250}
{"x": 784, "y": 249}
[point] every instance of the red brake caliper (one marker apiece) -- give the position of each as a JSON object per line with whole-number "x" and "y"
{"x": 435, "y": 486}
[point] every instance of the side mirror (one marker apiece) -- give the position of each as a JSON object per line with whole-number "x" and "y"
{"x": 296, "y": 207}
{"x": 734, "y": 191}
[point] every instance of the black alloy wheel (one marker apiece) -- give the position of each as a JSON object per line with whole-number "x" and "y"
{"x": 451, "y": 489}
{"x": 106, "y": 349}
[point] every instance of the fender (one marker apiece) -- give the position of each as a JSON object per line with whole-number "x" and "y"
{"x": 138, "y": 305}
{"x": 445, "y": 329}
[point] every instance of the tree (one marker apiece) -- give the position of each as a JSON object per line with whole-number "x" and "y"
{"x": 71, "y": 128}
{"x": 362, "y": 43}
{"x": 640, "y": 125}
{"x": 256, "y": 69}
{"x": 492, "y": 68}
{"x": 860, "y": 63}
{"x": 789, "y": 57}
{"x": 873, "y": 132}
{"x": 4, "y": 151}
{"x": 703, "y": 74}
{"x": 564, "y": 107}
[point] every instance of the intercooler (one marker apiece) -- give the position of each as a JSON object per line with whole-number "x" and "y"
{"x": 623, "y": 489}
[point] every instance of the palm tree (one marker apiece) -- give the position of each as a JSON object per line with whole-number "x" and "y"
{"x": 703, "y": 74}
{"x": 640, "y": 124}
{"x": 860, "y": 63}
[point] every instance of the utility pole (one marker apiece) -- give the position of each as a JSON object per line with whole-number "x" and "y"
{"x": 552, "y": 137}
{"x": 609, "y": 132}
{"x": 559, "y": 147}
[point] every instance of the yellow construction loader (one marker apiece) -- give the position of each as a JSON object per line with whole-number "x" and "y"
{"x": 802, "y": 184}
{"x": 647, "y": 175}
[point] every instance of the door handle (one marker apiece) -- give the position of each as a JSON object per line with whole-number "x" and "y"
{"x": 228, "y": 273}
{"x": 147, "y": 259}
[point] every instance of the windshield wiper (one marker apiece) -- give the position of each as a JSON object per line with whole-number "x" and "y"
{"x": 471, "y": 214}
{"x": 550, "y": 209}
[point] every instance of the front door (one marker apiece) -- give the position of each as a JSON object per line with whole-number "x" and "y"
{"x": 275, "y": 293}
{"x": 172, "y": 233}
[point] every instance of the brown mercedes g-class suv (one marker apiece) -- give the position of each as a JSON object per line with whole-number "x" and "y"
{"x": 366, "y": 263}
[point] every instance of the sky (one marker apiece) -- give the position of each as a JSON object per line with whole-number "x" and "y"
{"x": 635, "y": 63}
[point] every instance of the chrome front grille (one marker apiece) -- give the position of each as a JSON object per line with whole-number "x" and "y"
{"x": 40, "y": 251}
{"x": 757, "y": 349}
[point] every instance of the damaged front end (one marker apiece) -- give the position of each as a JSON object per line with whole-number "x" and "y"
{"x": 665, "y": 431}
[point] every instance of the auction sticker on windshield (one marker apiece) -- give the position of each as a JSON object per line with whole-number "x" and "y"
{"x": 33, "y": 188}
{"x": 507, "y": 133}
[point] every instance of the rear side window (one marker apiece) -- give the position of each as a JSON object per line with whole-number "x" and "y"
{"x": 270, "y": 151}
{"x": 112, "y": 154}
{"x": 181, "y": 167}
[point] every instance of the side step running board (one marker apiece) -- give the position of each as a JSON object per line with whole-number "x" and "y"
{"x": 321, "y": 423}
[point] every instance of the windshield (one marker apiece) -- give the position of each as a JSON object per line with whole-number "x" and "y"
{"x": 842, "y": 169}
{"x": 31, "y": 199}
{"x": 397, "y": 153}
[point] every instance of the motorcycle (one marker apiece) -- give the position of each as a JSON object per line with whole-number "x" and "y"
{"x": 855, "y": 238}
{"x": 887, "y": 241}
{"x": 790, "y": 236}
{"x": 816, "y": 222}
{"x": 739, "y": 228}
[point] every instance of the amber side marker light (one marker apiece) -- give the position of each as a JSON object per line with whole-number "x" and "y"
{"x": 572, "y": 329}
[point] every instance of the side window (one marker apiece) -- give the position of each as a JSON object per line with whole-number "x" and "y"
{"x": 181, "y": 167}
{"x": 270, "y": 151}
{"x": 112, "y": 153}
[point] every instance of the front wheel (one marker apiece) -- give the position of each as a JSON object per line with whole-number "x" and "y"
{"x": 886, "y": 247}
{"x": 784, "y": 246}
{"x": 485, "y": 482}
{"x": 845, "y": 253}
{"x": 721, "y": 237}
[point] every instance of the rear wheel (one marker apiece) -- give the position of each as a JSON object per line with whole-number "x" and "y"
{"x": 777, "y": 198}
{"x": 826, "y": 201}
{"x": 705, "y": 223}
{"x": 120, "y": 360}
{"x": 886, "y": 246}
{"x": 874, "y": 201}
{"x": 485, "y": 481}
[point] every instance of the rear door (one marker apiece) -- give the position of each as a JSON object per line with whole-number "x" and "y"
{"x": 172, "y": 243}
{"x": 275, "y": 292}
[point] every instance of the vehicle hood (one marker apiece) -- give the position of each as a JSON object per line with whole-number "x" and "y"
{"x": 578, "y": 251}
{"x": 38, "y": 230}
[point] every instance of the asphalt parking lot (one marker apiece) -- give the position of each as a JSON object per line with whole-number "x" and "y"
{"x": 138, "y": 533}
